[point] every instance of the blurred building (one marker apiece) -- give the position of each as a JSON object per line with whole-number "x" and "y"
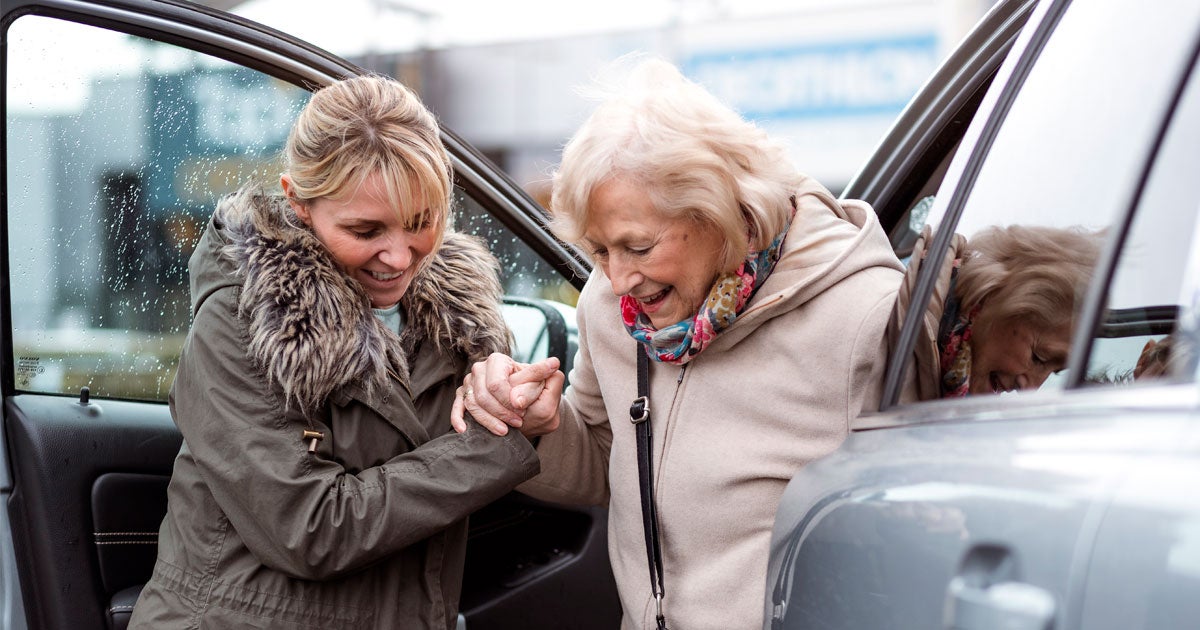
{"x": 826, "y": 77}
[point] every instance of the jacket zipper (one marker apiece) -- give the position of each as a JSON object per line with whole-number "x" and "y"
{"x": 663, "y": 455}
{"x": 670, "y": 421}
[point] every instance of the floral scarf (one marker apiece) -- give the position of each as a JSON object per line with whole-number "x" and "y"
{"x": 682, "y": 341}
{"x": 954, "y": 342}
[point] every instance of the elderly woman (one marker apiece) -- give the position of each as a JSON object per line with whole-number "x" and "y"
{"x": 1003, "y": 310}
{"x": 318, "y": 485}
{"x": 760, "y": 302}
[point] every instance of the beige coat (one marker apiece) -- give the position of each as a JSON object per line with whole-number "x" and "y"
{"x": 773, "y": 392}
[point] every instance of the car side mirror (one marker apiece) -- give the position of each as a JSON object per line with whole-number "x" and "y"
{"x": 541, "y": 329}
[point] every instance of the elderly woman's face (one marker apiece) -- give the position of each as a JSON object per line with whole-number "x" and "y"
{"x": 668, "y": 265}
{"x": 367, "y": 239}
{"x": 1014, "y": 354}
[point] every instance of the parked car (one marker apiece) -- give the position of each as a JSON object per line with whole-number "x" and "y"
{"x": 1068, "y": 507}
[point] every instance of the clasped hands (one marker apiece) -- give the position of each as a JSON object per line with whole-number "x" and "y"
{"x": 501, "y": 392}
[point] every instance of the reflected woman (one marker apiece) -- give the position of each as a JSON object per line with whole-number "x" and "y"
{"x": 1003, "y": 309}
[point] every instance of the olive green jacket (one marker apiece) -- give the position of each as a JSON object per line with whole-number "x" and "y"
{"x": 368, "y": 531}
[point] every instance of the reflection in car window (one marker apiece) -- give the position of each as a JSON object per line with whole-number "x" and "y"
{"x": 117, "y": 149}
{"x": 1003, "y": 310}
{"x": 1055, "y": 191}
{"x": 1138, "y": 340}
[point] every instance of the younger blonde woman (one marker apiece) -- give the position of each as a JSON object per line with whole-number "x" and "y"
{"x": 317, "y": 486}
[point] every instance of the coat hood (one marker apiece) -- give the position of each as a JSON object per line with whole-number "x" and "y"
{"x": 829, "y": 240}
{"x": 310, "y": 327}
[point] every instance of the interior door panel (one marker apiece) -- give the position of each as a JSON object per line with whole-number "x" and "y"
{"x": 532, "y": 564}
{"x": 59, "y": 450}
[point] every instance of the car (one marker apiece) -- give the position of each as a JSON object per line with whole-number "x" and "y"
{"x": 124, "y": 122}
{"x": 1072, "y": 506}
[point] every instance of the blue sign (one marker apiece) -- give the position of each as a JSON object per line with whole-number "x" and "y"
{"x": 840, "y": 79}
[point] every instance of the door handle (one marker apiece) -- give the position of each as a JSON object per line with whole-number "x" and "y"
{"x": 987, "y": 595}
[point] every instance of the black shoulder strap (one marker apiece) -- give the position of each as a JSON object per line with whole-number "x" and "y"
{"x": 639, "y": 414}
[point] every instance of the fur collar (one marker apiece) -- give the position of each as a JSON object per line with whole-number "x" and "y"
{"x": 311, "y": 327}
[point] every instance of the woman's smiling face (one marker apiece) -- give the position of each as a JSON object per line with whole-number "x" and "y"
{"x": 368, "y": 240}
{"x": 667, "y": 265}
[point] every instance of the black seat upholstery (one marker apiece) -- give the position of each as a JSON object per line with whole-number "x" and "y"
{"x": 121, "y": 607}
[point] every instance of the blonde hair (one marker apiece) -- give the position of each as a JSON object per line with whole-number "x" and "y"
{"x": 693, "y": 156}
{"x": 1033, "y": 274}
{"x": 367, "y": 125}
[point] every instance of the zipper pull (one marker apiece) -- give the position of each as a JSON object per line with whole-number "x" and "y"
{"x": 682, "y": 369}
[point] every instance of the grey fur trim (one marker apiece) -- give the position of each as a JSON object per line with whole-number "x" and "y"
{"x": 311, "y": 326}
{"x": 456, "y": 300}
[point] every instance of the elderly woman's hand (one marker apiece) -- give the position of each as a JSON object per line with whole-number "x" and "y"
{"x": 501, "y": 392}
{"x": 541, "y": 402}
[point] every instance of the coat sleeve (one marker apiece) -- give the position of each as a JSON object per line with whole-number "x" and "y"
{"x": 869, "y": 349}
{"x": 574, "y": 458}
{"x": 306, "y": 516}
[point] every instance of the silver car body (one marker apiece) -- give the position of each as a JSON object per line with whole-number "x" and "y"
{"x": 1070, "y": 507}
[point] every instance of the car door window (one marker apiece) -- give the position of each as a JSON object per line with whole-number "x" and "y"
{"x": 1032, "y": 203}
{"x": 117, "y": 149}
{"x": 539, "y": 300}
{"x": 1139, "y": 338}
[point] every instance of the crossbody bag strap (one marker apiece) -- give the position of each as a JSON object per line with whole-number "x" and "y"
{"x": 639, "y": 414}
